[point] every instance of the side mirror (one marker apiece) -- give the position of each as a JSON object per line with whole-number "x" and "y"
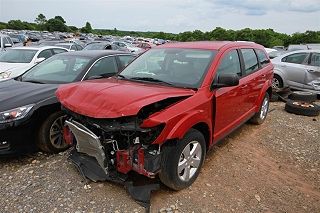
{"x": 38, "y": 60}
{"x": 7, "y": 45}
{"x": 225, "y": 80}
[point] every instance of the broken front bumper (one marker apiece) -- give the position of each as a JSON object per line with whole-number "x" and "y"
{"x": 135, "y": 158}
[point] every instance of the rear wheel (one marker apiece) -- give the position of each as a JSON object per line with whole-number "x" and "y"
{"x": 181, "y": 162}
{"x": 260, "y": 116}
{"x": 50, "y": 135}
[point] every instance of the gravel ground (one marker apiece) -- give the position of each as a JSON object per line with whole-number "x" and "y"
{"x": 273, "y": 167}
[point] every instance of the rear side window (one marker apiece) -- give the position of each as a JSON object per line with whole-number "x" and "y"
{"x": 262, "y": 57}
{"x": 230, "y": 64}
{"x": 105, "y": 67}
{"x": 125, "y": 60}
{"x": 250, "y": 61}
{"x": 73, "y": 47}
{"x": 315, "y": 59}
{"x": 297, "y": 58}
{"x": 45, "y": 54}
{"x": 57, "y": 51}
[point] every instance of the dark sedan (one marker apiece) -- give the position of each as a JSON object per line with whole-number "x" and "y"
{"x": 30, "y": 115}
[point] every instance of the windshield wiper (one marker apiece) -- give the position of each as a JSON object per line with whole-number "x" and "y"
{"x": 151, "y": 80}
{"x": 33, "y": 81}
{"x": 121, "y": 76}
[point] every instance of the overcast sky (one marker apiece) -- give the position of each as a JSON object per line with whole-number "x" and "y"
{"x": 287, "y": 16}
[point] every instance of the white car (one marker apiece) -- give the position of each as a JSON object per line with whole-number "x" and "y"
{"x": 16, "y": 61}
{"x": 128, "y": 46}
{"x": 299, "y": 70}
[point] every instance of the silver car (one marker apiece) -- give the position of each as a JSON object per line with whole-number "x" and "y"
{"x": 298, "y": 70}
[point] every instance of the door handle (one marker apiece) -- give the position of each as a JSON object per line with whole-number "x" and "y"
{"x": 310, "y": 70}
{"x": 263, "y": 76}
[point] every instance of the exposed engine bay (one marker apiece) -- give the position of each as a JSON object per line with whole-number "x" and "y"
{"x": 119, "y": 145}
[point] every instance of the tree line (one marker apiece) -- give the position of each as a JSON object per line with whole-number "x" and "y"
{"x": 266, "y": 37}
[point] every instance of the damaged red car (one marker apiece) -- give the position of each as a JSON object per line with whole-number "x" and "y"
{"x": 163, "y": 112}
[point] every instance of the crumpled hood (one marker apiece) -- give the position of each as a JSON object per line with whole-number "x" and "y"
{"x": 112, "y": 98}
{"x": 16, "y": 93}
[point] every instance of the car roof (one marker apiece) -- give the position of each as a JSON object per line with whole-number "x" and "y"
{"x": 95, "y": 53}
{"x": 209, "y": 45}
{"x": 37, "y": 47}
{"x": 303, "y": 51}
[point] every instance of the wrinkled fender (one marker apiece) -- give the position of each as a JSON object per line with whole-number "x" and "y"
{"x": 187, "y": 122}
{"x": 266, "y": 86}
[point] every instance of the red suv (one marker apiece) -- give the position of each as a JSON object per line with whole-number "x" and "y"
{"x": 162, "y": 113}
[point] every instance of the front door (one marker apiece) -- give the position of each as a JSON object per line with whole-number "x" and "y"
{"x": 228, "y": 100}
{"x": 293, "y": 65}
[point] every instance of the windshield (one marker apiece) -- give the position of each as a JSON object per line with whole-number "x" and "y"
{"x": 57, "y": 69}
{"x": 177, "y": 67}
{"x": 96, "y": 46}
{"x": 17, "y": 56}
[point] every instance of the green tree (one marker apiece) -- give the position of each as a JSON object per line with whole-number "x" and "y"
{"x": 54, "y": 24}
{"x": 87, "y": 28}
{"x": 60, "y": 18}
{"x": 41, "y": 19}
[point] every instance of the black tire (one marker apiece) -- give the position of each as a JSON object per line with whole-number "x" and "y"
{"x": 44, "y": 142}
{"x": 274, "y": 97}
{"x": 172, "y": 155}
{"x": 261, "y": 116}
{"x": 303, "y": 96}
{"x": 277, "y": 82}
{"x": 301, "y": 108}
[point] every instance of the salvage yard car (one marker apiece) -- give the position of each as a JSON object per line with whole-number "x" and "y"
{"x": 30, "y": 115}
{"x": 163, "y": 112}
{"x": 16, "y": 61}
{"x": 299, "y": 70}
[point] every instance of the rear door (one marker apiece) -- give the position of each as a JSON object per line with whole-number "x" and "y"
{"x": 294, "y": 67}
{"x": 312, "y": 71}
{"x": 228, "y": 100}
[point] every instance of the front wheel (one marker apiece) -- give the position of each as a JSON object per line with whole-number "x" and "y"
{"x": 50, "y": 135}
{"x": 261, "y": 115}
{"x": 181, "y": 162}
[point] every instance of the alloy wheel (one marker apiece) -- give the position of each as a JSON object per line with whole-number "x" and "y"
{"x": 189, "y": 161}
{"x": 56, "y": 133}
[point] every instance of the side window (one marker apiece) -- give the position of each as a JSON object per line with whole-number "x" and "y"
{"x": 79, "y": 47}
{"x": 45, "y": 54}
{"x": 250, "y": 61}
{"x": 105, "y": 67}
{"x": 125, "y": 60}
{"x": 315, "y": 60}
{"x": 6, "y": 40}
{"x": 57, "y": 51}
{"x": 297, "y": 58}
{"x": 230, "y": 64}
{"x": 73, "y": 47}
{"x": 262, "y": 57}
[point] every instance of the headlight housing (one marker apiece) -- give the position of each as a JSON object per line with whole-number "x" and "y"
{"x": 15, "y": 114}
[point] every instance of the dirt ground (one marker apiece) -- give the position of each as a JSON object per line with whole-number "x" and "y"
{"x": 274, "y": 167}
